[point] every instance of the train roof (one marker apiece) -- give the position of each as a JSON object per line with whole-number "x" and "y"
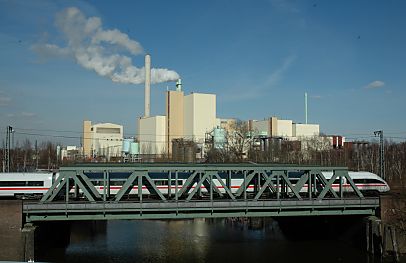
{"x": 24, "y": 176}
{"x": 352, "y": 174}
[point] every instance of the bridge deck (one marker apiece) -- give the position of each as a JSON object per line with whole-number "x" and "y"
{"x": 195, "y": 209}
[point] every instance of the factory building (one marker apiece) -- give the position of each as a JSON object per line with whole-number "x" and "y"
{"x": 187, "y": 117}
{"x": 174, "y": 115}
{"x": 199, "y": 116}
{"x": 102, "y": 139}
{"x": 152, "y": 135}
{"x": 227, "y": 124}
{"x": 305, "y": 130}
{"x": 272, "y": 127}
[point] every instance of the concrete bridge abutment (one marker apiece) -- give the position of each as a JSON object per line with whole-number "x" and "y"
{"x": 17, "y": 240}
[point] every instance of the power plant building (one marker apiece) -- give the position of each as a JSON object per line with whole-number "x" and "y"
{"x": 102, "y": 139}
{"x": 152, "y": 135}
{"x": 199, "y": 116}
{"x": 305, "y": 130}
{"x": 174, "y": 115}
{"x": 273, "y": 127}
{"x": 187, "y": 117}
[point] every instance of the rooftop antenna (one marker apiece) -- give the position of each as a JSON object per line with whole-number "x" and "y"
{"x": 305, "y": 107}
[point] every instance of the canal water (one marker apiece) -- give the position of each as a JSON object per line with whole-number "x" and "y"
{"x": 207, "y": 240}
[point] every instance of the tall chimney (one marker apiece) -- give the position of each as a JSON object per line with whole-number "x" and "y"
{"x": 306, "y": 107}
{"x": 147, "y": 85}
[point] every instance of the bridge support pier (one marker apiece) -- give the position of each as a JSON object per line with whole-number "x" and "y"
{"x": 28, "y": 239}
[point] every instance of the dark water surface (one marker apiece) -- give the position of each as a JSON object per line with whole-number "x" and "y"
{"x": 202, "y": 240}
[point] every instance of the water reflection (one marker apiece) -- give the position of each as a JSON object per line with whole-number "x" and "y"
{"x": 197, "y": 240}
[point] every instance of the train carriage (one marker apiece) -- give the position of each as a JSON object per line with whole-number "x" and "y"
{"x": 25, "y": 184}
{"x": 36, "y": 184}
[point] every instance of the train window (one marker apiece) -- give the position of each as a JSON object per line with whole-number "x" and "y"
{"x": 35, "y": 183}
{"x": 159, "y": 182}
{"x": 96, "y": 183}
{"x": 173, "y": 182}
{"x": 117, "y": 182}
{"x": 12, "y": 183}
{"x": 367, "y": 181}
{"x": 372, "y": 181}
{"x": 337, "y": 181}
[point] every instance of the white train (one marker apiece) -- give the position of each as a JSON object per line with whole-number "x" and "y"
{"x": 36, "y": 184}
{"x": 25, "y": 184}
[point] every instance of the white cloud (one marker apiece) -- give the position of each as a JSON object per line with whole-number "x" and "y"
{"x": 100, "y": 50}
{"x": 375, "y": 84}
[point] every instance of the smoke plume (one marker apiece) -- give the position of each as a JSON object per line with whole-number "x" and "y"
{"x": 100, "y": 50}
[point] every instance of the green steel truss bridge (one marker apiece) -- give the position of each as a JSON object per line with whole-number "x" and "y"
{"x": 169, "y": 191}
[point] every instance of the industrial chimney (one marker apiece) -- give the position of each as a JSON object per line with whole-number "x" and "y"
{"x": 147, "y": 85}
{"x": 306, "y": 107}
{"x": 179, "y": 85}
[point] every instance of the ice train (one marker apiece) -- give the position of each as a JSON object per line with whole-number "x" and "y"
{"x": 21, "y": 185}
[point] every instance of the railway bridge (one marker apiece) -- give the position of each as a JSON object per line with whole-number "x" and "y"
{"x": 84, "y": 192}
{"x": 179, "y": 191}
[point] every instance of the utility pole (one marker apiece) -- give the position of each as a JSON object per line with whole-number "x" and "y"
{"x": 381, "y": 153}
{"x": 7, "y": 149}
{"x": 36, "y": 155}
{"x": 4, "y": 157}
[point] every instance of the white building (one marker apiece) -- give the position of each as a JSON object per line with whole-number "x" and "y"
{"x": 199, "y": 116}
{"x": 272, "y": 127}
{"x": 68, "y": 152}
{"x": 102, "y": 139}
{"x": 152, "y": 134}
{"x": 305, "y": 130}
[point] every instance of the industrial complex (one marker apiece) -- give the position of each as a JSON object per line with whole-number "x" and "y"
{"x": 189, "y": 127}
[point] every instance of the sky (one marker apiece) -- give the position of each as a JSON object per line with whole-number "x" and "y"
{"x": 62, "y": 62}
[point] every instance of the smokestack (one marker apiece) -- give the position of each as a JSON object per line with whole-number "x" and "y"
{"x": 147, "y": 85}
{"x": 179, "y": 85}
{"x": 306, "y": 107}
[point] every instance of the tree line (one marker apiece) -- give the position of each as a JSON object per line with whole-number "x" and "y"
{"x": 237, "y": 147}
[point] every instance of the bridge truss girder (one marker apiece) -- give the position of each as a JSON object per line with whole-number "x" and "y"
{"x": 207, "y": 191}
{"x": 262, "y": 179}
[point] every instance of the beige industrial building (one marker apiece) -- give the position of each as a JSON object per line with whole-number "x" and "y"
{"x": 274, "y": 127}
{"x": 152, "y": 135}
{"x": 187, "y": 117}
{"x": 199, "y": 116}
{"x": 227, "y": 124}
{"x": 102, "y": 139}
{"x": 305, "y": 130}
{"x": 174, "y": 115}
